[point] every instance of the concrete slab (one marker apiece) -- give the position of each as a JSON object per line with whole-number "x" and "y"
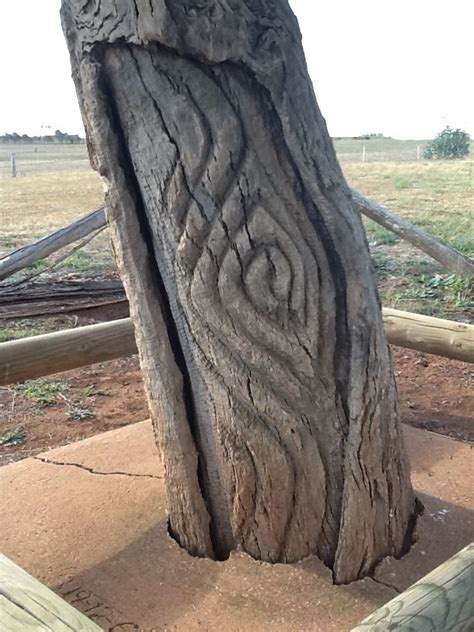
{"x": 137, "y": 454}
{"x": 89, "y": 520}
{"x": 442, "y": 472}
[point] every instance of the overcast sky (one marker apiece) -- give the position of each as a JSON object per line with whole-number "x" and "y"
{"x": 402, "y": 68}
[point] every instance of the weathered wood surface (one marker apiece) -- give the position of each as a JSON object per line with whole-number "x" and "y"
{"x": 450, "y": 258}
{"x": 440, "y": 602}
{"x": 430, "y": 335}
{"x": 58, "y": 297}
{"x": 26, "y": 605}
{"x": 47, "y": 354}
{"x": 25, "y": 256}
{"x": 250, "y": 284}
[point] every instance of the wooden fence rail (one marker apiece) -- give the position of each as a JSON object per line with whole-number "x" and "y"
{"x": 25, "y": 256}
{"x": 428, "y": 334}
{"x": 46, "y": 354}
{"x": 440, "y": 602}
{"x": 450, "y": 258}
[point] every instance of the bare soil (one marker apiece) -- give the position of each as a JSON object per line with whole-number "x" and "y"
{"x": 435, "y": 393}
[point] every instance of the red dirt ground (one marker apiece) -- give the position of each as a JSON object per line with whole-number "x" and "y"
{"x": 435, "y": 393}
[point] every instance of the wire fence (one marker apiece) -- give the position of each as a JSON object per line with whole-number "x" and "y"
{"x": 28, "y": 160}
{"x": 40, "y": 159}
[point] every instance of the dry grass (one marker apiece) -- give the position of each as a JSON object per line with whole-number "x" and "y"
{"x": 32, "y": 206}
{"x": 437, "y": 195}
{"x": 56, "y": 185}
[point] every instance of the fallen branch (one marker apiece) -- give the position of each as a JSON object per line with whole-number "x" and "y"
{"x": 46, "y": 354}
{"x": 25, "y": 256}
{"x": 449, "y": 257}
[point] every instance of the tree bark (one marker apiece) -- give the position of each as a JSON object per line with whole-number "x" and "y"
{"x": 250, "y": 285}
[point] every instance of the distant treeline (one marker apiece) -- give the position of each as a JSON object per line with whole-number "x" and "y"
{"x": 57, "y": 138}
{"x": 362, "y": 137}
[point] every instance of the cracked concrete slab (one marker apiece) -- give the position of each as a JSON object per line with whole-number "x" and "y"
{"x": 90, "y": 470}
{"x": 60, "y": 520}
{"x": 92, "y": 525}
{"x": 138, "y": 454}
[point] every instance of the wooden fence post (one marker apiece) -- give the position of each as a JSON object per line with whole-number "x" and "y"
{"x": 13, "y": 164}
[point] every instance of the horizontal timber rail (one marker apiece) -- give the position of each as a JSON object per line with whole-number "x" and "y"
{"x": 440, "y": 602}
{"x": 38, "y": 356}
{"x": 428, "y": 334}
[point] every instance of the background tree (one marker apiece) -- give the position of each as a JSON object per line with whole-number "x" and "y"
{"x": 448, "y": 144}
{"x": 250, "y": 284}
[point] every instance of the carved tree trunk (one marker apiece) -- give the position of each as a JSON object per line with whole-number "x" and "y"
{"x": 257, "y": 318}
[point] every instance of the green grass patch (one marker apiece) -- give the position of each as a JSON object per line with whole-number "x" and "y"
{"x": 81, "y": 261}
{"x": 42, "y": 392}
{"x": 91, "y": 391}
{"x": 378, "y": 235}
{"x": 464, "y": 243}
{"x": 41, "y": 264}
{"x": 12, "y": 242}
{"x": 77, "y": 413}
{"x": 399, "y": 182}
{"x": 18, "y": 330}
{"x": 427, "y": 293}
{"x": 13, "y": 437}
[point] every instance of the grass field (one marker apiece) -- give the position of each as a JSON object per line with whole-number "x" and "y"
{"x": 56, "y": 185}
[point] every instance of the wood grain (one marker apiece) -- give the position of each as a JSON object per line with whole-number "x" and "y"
{"x": 37, "y": 356}
{"x": 26, "y": 604}
{"x": 440, "y": 602}
{"x": 249, "y": 280}
{"x": 427, "y": 334}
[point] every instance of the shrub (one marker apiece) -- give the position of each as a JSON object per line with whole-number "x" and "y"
{"x": 450, "y": 143}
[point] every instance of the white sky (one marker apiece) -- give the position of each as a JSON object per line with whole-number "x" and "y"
{"x": 398, "y": 67}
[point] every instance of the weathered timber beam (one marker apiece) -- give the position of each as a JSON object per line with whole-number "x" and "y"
{"x": 37, "y": 356}
{"x": 25, "y": 256}
{"x": 27, "y": 605}
{"x": 428, "y": 334}
{"x": 46, "y": 354}
{"x": 440, "y": 602}
{"x": 449, "y": 257}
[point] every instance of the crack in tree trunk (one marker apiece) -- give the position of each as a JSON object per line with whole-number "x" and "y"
{"x": 271, "y": 390}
